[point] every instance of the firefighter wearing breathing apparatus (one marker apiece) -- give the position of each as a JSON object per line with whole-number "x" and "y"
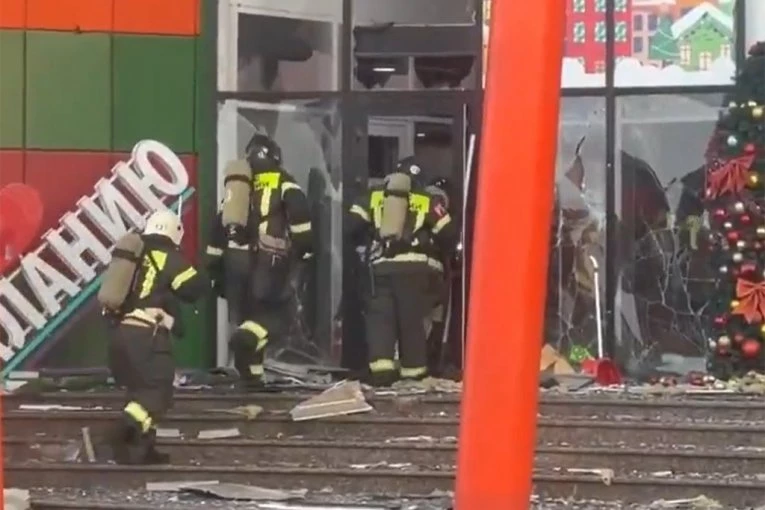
{"x": 263, "y": 225}
{"x": 397, "y": 221}
{"x": 440, "y": 269}
{"x": 139, "y": 294}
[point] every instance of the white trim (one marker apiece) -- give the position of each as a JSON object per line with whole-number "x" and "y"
{"x": 685, "y": 23}
{"x": 328, "y": 11}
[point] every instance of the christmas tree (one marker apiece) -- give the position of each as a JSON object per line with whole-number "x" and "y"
{"x": 735, "y": 201}
{"x": 663, "y": 46}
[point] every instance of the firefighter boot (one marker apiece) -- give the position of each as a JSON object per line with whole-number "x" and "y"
{"x": 248, "y": 361}
{"x": 382, "y": 378}
{"x": 120, "y": 437}
{"x": 126, "y": 441}
{"x": 151, "y": 455}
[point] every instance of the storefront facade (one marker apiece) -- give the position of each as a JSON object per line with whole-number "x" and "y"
{"x": 348, "y": 87}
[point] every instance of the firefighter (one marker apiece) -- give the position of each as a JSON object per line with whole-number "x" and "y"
{"x": 395, "y": 222}
{"x": 438, "y": 264}
{"x": 140, "y": 293}
{"x": 262, "y": 227}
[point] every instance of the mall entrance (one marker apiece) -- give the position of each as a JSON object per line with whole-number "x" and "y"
{"x": 381, "y": 129}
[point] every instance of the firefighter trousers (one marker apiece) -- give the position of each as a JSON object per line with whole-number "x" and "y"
{"x": 395, "y": 312}
{"x": 141, "y": 361}
{"x": 256, "y": 324}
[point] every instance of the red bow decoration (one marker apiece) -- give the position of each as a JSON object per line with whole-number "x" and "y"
{"x": 751, "y": 300}
{"x": 730, "y": 177}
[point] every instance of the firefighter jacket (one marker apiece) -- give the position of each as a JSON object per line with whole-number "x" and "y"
{"x": 164, "y": 278}
{"x": 278, "y": 208}
{"x": 428, "y": 222}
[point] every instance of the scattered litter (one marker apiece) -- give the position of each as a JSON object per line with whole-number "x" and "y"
{"x": 341, "y": 399}
{"x": 218, "y": 433}
{"x": 380, "y": 464}
{"x": 168, "y": 433}
{"x": 250, "y": 411}
{"x": 411, "y": 439}
{"x": 16, "y": 499}
{"x": 176, "y": 486}
{"x": 697, "y": 503}
{"x": 239, "y": 492}
{"x": 606, "y": 475}
{"x": 55, "y": 407}
{"x": 90, "y": 453}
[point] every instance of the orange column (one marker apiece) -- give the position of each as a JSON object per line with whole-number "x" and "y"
{"x": 511, "y": 248}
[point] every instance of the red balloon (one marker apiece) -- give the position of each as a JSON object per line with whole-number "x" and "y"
{"x": 751, "y": 348}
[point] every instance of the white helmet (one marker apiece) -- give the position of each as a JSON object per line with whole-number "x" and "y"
{"x": 165, "y": 223}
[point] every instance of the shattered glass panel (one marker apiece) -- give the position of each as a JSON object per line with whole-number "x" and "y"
{"x": 308, "y": 132}
{"x": 664, "y": 279}
{"x": 578, "y": 230}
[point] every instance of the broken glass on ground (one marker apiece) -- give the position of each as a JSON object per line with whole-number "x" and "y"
{"x": 219, "y": 433}
{"x": 250, "y": 411}
{"x": 342, "y": 399}
{"x": 240, "y": 492}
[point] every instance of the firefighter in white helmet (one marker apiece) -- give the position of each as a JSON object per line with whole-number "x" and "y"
{"x": 141, "y": 290}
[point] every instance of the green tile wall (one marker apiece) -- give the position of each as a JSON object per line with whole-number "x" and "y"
{"x": 68, "y": 91}
{"x": 11, "y": 89}
{"x": 153, "y": 93}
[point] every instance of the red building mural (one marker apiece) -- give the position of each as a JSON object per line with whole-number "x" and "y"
{"x": 586, "y": 32}
{"x": 96, "y": 95}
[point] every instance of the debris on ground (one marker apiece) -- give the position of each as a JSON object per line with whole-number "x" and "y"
{"x": 168, "y": 433}
{"x": 176, "y": 486}
{"x": 341, "y": 399}
{"x": 250, "y": 411}
{"x": 87, "y": 443}
{"x": 16, "y": 499}
{"x": 697, "y": 503}
{"x": 219, "y": 433}
{"x": 240, "y": 492}
{"x": 427, "y": 385}
{"x": 606, "y": 475}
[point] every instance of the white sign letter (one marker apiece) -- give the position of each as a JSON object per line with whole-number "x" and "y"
{"x": 108, "y": 217}
{"x": 15, "y": 331}
{"x": 46, "y": 282}
{"x": 170, "y": 162}
{"x": 71, "y": 253}
{"x": 21, "y": 304}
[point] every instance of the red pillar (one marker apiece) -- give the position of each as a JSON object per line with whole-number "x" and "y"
{"x": 511, "y": 248}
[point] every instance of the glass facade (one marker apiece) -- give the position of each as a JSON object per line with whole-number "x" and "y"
{"x": 346, "y": 88}
{"x": 642, "y": 82}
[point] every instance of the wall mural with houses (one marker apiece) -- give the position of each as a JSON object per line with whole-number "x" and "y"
{"x": 103, "y": 121}
{"x": 657, "y": 42}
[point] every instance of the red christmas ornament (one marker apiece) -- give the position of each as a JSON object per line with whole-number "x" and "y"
{"x": 748, "y": 267}
{"x": 738, "y": 338}
{"x": 750, "y": 348}
{"x": 719, "y": 213}
{"x": 745, "y": 219}
{"x": 720, "y": 321}
{"x": 733, "y": 236}
{"x": 749, "y": 147}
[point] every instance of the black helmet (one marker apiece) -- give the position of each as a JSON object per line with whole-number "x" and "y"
{"x": 410, "y": 167}
{"x": 262, "y": 153}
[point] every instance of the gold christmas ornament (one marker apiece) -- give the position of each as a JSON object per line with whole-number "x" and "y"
{"x": 761, "y": 231}
{"x": 758, "y": 112}
{"x": 723, "y": 341}
{"x": 754, "y": 179}
{"x": 734, "y": 304}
